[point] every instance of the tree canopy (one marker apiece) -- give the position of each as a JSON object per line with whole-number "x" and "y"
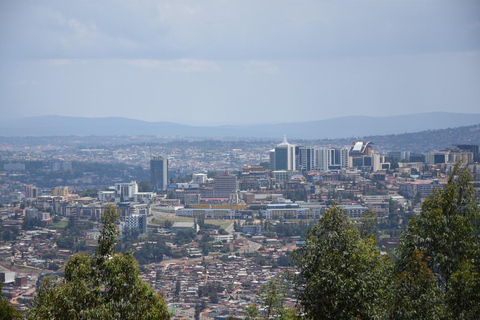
{"x": 447, "y": 236}
{"x": 105, "y": 285}
{"x": 435, "y": 274}
{"x": 341, "y": 273}
{"x": 7, "y": 311}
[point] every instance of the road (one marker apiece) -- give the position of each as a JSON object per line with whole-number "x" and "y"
{"x": 252, "y": 246}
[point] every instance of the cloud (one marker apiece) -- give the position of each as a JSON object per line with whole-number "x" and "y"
{"x": 235, "y": 30}
{"x": 81, "y": 28}
{"x": 181, "y": 65}
{"x": 59, "y": 62}
{"x": 144, "y": 63}
{"x": 188, "y": 66}
{"x": 256, "y": 67}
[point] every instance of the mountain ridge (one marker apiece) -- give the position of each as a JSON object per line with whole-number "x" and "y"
{"x": 341, "y": 127}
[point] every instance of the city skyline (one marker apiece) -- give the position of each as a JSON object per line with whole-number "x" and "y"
{"x": 219, "y": 62}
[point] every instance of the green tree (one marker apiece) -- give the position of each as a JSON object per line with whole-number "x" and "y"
{"x": 417, "y": 199}
{"x": 7, "y": 311}
{"x": 252, "y": 312}
{"x": 168, "y": 224}
{"x": 265, "y": 165}
{"x": 447, "y": 234}
{"x": 368, "y": 225}
{"x": 463, "y": 296}
{"x": 29, "y": 223}
{"x": 415, "y": 293}
{"x": 89, "y": 192}
{"x": 105, "y": 285}
{"x": 342, "y": 275}
{"x": 144, "y": 186}
{"x": 272, "y": 297}
{"x": 392, "y": 206}
{"x": 177, "y": 289}
{"x": 201, "y": 221}
{"x": 7, "y": 235}
{"x": 272, "y": 302}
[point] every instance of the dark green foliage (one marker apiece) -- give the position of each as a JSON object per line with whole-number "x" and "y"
{"x": 144, "y": 186}
{"x": 130, "y": 234}
{"x": 89, "y": 192}
{"x": 201, "y": 222}
{"x": 152, "y": 252}
{"x": 7, "y": 311}
{"x": 446, "y": 233}
{"x": 198, "y": 310}
{"x": 260, "y": 259}
{"x": 415, "y": 292}
{"x": 342, "y": 275}
{"x": 10, "y": 234}
{"x": 272, "y": 297}
{"x": 463, "y": 296}
{"x": 272, "y": 302}
{"x": 185, "y": 236}
{"x": 222, "y": 231}
{"x": 105, "y": 285}
{"x": 265, "y": 165}
{"x": 436, "y": 275}
{"x": 177, "y": 288}
{"x": 211, "y": 290}
{"x": 205, "y": 244}
{"x": 297, "y": 195}
{"x": 30, "y": 223}
{"x": 168, "y": 224}
{"x": 284, "y": 260}
{"x": 70, "y": 235}
{"x": 289, "y": 230}
{"x": 368, "y": 225}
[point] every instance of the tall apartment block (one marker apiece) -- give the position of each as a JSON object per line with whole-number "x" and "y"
{"x": 305, "y": 158}
{"x": 332, "y": 158}
{"x": 283, "y": 156}
{"x": 225, "y": 185}
{"x": 158, "y": 173}
{"x": 31, "y": 192}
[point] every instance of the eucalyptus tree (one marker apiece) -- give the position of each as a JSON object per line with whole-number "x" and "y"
{"x": 446, "y": 235}
{"x": 341, "y": 274}
{"x": 105, "y": 285}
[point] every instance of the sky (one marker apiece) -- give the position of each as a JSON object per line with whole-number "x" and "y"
{"x": 210, "y": 62}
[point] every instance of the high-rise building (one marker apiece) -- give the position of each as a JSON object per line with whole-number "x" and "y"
{"x": 158, "y": 173}
{"x": 399, "y": 155}
{"x": 330, "y": 159}
{"x": 305, "y": 158}
{"x": 285, "y": 156}
{"x": 60, "y": 192}
{"x": 199, "y": 178}
{"x": 436, "y": 157}
{"x": 225, "y": 185}
{"x": 126, "y": 191}
{"x": 134, "y": 223}
{"x": 271, "y": 157}
{"x": 472, "y": 148}
{"x": 362, "y": 156}
{"x": 31, "y": 192}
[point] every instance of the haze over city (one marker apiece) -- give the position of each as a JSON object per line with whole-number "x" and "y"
{"x": 238, "y": 62}
{"x": 239, "y": 159}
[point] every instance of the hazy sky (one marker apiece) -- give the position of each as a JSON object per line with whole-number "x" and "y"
{"x": 227, "y": 61}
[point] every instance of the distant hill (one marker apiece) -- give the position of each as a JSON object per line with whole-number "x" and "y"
{"x": 423, "y": 141}
{"x": 344, "y": 127}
